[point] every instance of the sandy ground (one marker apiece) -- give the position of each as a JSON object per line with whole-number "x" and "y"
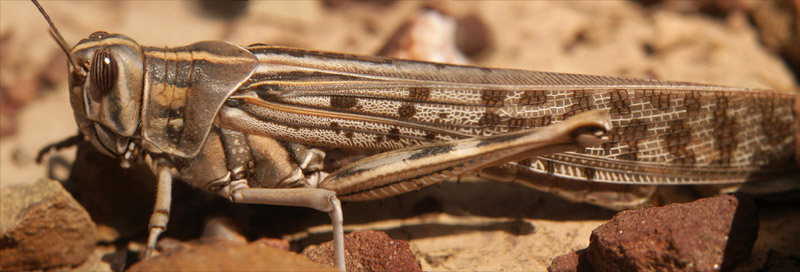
{"x": 482, "y": 227}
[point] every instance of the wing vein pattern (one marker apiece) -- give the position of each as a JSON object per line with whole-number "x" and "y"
{"x": 664, "y": 132}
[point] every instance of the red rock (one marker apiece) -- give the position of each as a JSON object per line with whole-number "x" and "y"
{"x": 574, "y": 261}
{"x": 41, "y": 227}
{"x": 708, "y": 234}
{"x": 368, "y": 251}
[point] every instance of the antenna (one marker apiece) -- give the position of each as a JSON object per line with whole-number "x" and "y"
{"x": 56, "y": 35}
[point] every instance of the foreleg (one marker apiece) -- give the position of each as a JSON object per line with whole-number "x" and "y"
{"x": 160, "y": 216}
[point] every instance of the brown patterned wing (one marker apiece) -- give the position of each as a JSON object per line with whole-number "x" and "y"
{"x": 665, "y": 132}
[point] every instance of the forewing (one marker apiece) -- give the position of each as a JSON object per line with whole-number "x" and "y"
{"x": 664, "y": 132}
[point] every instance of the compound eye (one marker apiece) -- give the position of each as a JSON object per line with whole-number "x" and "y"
{"x": 104, "y": 71}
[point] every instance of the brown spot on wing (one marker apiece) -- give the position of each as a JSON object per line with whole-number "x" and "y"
{"x": 620, "y": 104}
{"x": 725, "y": 130}
{"x": 335, "y": 127}
{"x": 515, "y": 124}
{"x": 775, "y": 128}
{"x": 581, "y": 102}
{"x": 660, "y": 101}
{"x": 343, "y": 102}
{"x": 406, "y": 111}
{"x": 541, "y": 121}
{"x": 430, "y": 136}
{"x": 419, "y": 93}
{"x": 489, "y": 119}
{"x": 494, "y": 98}
{"x": 630, "y": 134}
{"x": 608, "y": 145}
{"x": 394, "y": 134}
{"x": 677, "y": 138}
{"x": 692, "y": 103}
{"x": 530, "y": 98}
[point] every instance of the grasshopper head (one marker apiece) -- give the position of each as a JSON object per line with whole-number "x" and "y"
{"x": 105, "y": 86}
{"x": 106, "y": 77}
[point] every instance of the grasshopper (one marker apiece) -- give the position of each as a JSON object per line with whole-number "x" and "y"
{"x": 255, "y": 124}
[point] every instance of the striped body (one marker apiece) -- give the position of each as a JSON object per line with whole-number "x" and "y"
{"x": 220, "y": 112}
{"x": 184, "y": 88}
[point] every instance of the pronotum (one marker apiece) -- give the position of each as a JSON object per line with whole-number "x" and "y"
{"x": 254, "y": 124}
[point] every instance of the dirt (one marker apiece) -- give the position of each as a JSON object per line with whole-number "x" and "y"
{"x": 467, "y": 226}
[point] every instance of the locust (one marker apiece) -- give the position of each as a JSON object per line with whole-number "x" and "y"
{"x": 255, "y": 124}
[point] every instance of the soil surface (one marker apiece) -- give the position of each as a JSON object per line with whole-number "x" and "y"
{"x": 466, "y": 226}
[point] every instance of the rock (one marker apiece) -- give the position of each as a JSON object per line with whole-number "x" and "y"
{"x": 368, "y": 251}
{"x": 473, "y": 36}
{"x": 41, "y": 227}
{"x": 778, "y": 22}
{"x": 428, "y": 36}
{"x": 228, "y": 256}
{"x": 708, "y": 234}
{"x": 574, "y": 261}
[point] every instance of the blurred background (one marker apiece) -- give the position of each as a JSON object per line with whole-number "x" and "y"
{"x": 736, "y": 43}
